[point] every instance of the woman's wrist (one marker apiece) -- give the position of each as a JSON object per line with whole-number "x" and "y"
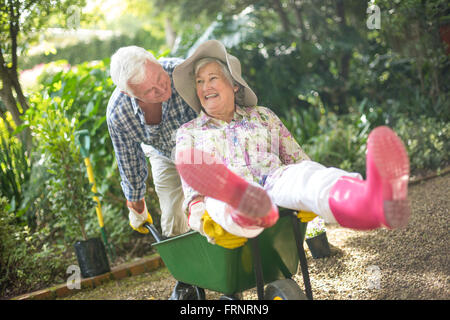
{"x": 195, "y": 200}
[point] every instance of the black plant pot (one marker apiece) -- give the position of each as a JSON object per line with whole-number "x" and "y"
{"x": 319, "y": 246}
{"x": 91, "y": 256}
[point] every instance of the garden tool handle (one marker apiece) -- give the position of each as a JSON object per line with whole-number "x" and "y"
{"x": 155, "y": 233}
{"x": 84, "y": 141}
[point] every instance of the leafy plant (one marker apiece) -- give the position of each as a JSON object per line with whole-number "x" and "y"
{"x": 427, "y": 141}
{"x": 27, "y": 263}
{"x": 340, "y": 142}
{"x": 315, "y": 228}
{"x": 68, "y": 190}
{"x": 15, "y": 168}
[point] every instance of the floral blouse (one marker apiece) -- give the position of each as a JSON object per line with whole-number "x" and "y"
{"x": 253, "y": 145}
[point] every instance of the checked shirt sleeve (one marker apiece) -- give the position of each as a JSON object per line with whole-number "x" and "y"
{"x": 130, "y": 157}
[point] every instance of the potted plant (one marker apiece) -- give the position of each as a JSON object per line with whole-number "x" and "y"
{"x": 68, "y": 189}
{"x": 316, "y": 239}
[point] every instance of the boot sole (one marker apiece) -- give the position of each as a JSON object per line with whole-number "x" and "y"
{"x": 211, "y": 178}
{"x": 391, "y": 160}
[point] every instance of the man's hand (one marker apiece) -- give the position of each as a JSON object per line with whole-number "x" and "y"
{"x": 137, "y": 206}
{"x": 138, "y": 215}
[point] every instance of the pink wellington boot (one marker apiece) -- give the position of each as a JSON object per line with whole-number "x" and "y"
{"x": 382, "y": 199}
{"x": 210, "y": 177}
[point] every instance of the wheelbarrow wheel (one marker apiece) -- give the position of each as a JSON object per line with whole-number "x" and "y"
{"x": 285, "y": 289}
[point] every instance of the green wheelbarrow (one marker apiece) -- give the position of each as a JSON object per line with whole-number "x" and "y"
{"x": 266, "y": 262}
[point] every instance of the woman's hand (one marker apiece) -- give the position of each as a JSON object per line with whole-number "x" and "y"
{"x": 196, "y": 212}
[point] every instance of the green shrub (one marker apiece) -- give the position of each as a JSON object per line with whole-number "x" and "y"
{"x": 26, "y": 262}
{"x": 67, "y": 188}
{"x": 15, "y": 169}
{"x": 340, "y": 143}
{"x": 427, "y": 141}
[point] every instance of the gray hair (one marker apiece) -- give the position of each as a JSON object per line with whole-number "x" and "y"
{"x": 239, "y": 95}
{"x": 128, "y": 66}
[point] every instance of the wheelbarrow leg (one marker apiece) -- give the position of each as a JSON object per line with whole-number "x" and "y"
{"x": 257, "y": 267}
{"x": 302, "y": 257}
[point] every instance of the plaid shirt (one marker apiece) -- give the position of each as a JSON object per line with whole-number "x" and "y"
{"x": 128, "y": 129}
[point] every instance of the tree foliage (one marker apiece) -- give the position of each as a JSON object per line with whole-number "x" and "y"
{"x": 326, "y": 47}
{"x": 20, "y": 23}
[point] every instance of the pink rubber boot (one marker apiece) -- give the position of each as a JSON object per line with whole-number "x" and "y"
{"x": 210, "y": 177}
{"x": 382, "y": 199}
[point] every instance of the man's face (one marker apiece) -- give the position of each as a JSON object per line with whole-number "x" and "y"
{"x": 156, "y": 87}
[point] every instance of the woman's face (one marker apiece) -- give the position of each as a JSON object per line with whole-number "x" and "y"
{"x": 215, "y": 92}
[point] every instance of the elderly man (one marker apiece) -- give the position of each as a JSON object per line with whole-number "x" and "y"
{"x": 143, "y": 113}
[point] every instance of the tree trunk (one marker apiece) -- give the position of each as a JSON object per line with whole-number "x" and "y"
{"x": 18, "y": 89}
{"x": 83, "y": 230}
{"x": 6, "y": 94}
{"x": 7, "y": 97}
{"x": 278, "y": 7}
{"x": 296, "y": 7}
{"x": 344, "y": 59}
{"x": 170, "y": 34}
{"x": 10, "y": 81}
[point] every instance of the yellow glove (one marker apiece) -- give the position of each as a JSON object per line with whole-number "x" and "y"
{"x": 305, "y": 216}
{"x": 137, "y": 219}
{"x": 221, "y": 237}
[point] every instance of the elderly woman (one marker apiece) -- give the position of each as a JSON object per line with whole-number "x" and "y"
{"x": 238, "y": 162}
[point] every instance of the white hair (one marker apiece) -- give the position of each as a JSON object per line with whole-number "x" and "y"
{"x": 128, "y": 66}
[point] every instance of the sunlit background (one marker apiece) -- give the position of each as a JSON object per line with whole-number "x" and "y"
{"x": 332, "y": 70}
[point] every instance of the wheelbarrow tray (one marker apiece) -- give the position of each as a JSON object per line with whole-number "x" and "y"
{"x": 190, "y": 258}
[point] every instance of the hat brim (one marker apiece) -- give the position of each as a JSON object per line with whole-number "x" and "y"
{"x": 184, "y": 78}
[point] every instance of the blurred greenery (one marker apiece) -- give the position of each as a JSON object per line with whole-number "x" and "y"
{"x": 93, "y": 49}
{"x": 329, "y": 77}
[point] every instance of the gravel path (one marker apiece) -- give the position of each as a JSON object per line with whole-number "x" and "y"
{"x": 412, "y": 263}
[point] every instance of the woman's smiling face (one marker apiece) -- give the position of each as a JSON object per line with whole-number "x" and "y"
{"x": 215, "y": 92}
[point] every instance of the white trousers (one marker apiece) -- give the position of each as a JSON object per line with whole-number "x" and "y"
{"x": 170, "y": 193}
{"x": 304, "y": 186}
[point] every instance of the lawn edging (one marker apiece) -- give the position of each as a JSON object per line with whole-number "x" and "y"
{"x": 125, "y": 270}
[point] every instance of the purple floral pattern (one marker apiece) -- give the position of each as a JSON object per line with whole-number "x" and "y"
{"x": 254, "y": 145}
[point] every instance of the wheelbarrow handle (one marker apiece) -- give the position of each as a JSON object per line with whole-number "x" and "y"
{"x": 155, "y": 233}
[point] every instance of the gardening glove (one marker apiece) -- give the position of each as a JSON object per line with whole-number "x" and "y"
{"x": 305, "y": 216}
{"x": 137, "y": 219}
{"x": 216, "y": 234}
